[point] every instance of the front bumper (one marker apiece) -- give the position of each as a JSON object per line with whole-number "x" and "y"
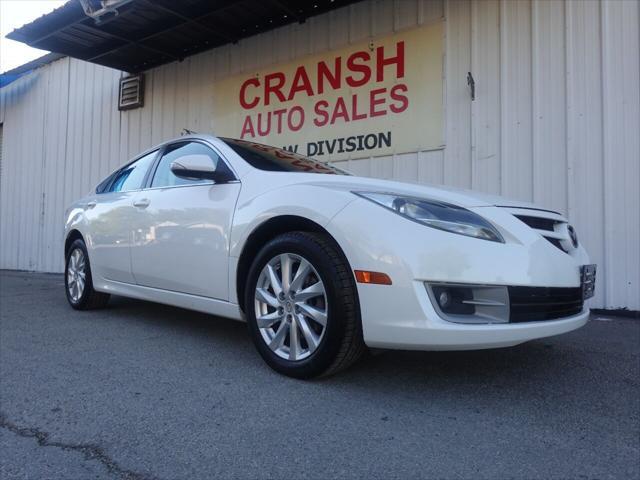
{"x": 426, "y": 330}
{"x": 402, "y": 316}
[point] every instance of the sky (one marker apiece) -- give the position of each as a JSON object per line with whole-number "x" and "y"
{"x": 14, "y": 14}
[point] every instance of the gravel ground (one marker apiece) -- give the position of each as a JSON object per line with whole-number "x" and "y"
{"x": 146, "y": 391}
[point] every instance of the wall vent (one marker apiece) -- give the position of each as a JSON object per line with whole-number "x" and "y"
{"x": 131, "y": 92}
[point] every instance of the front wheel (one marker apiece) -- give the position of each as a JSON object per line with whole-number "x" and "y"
{"x": 78, "y": 281}
{"x": 302, "y": 307}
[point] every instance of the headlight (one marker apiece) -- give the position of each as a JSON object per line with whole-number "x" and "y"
{"x": 440, "y": 215}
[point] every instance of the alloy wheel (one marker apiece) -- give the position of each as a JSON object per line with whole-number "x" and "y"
{"x": 291, "y": 306}
{"x": 76, "y": 274}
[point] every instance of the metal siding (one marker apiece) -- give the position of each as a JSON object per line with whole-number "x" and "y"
{"x": 0, "y": 151}
{"x": 485, "y": 110}
{"x": 54, "y": 144}
{"x": 621, "y": 147}
{"x": 27, "y": 196}
{"x": 457, "y": 112}
{"x": 555, "y": 120}
{"x": 549, "y": 105}
{"x": 584, "y": 131}
{"x": 516, "y": 149}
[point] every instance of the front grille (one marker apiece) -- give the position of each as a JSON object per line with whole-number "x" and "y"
{"x": 538, "y": 223}
{"x": 547, "y": 227}
{"x": 556, "y": 243}
{"x": 534, "y": 304}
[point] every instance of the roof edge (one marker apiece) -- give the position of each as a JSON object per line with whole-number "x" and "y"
{"x": 33, "y": 64}
{"x": 58, "y": 16}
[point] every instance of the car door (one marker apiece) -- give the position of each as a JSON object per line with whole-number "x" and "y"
{"x": 109, "y": 220}
{"x": 181, "y": 230}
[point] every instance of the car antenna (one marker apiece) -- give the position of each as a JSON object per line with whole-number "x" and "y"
{"x": 186, "y": 131}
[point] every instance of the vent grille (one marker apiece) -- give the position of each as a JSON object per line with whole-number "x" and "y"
{"x": 552, "y": 229}
{"x": 538, "y": 223}
{"x": 131, "y": 92}
{"x": 556, "y": 243}
{"x": 534, "y": 304}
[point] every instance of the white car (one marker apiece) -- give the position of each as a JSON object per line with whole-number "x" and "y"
{"x": 322, "y": 264}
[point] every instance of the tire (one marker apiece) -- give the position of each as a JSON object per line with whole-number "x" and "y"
{"x": 78, "y": 283}
{"x": 308, "y": 348}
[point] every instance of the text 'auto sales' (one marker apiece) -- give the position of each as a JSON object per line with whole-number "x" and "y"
{"x": 355, "y": 71}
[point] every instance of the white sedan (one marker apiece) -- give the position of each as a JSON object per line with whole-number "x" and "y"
{"x": 319, "y": 263}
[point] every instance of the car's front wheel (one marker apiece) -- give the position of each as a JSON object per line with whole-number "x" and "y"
{"x": 302, "y": 307}
{"x": 78, "y": 281}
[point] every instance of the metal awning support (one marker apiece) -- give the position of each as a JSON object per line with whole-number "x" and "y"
{"x": 98, "y": 9}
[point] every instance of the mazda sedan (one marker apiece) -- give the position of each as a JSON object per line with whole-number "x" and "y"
{"x": 319, "y": 263}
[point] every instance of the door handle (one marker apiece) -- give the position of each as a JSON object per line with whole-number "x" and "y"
{"x": 91, "y": 204}
{"x": 142, "y": 203}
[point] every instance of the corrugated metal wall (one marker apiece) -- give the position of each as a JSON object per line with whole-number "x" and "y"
{"x": 555, "y": 120}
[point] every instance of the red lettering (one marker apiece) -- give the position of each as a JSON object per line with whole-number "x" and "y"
{"x": 270, "y": 88}
{"x": 340, "y": 111}
{"x": 363, "y": 69}
{"x": 398, "y": 97}
{"x": 354, "y": 109}
{"x": 243, "y": 92}
{"x": 264, "y": 131}
{"x": 301, "y": 83}
{"x": 284, "y": 156}
{"x": 332, "y": 78}
{"x": 295, "y": 127}
{"x": 278, "y": 114}
{"x": 259, "y": 146}
{"x": 321, "y": 111}
{"x": 382, "y": 62}
{"x": 247, "y": 127}
{"x": 373, "y": 102}
{"x": 304, "y": 166}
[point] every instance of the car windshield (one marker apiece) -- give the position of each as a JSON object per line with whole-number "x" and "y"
{"x": 274, "y": 159}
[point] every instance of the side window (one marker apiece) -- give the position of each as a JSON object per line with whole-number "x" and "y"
{"x": 164, "y": 177}
{"x": 132, "y": 176}
{"x": 103, "y": 187}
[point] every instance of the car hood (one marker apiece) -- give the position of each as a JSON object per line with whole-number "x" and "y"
{"x": 456, "y": 196}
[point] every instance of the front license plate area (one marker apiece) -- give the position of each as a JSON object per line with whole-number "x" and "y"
{"x": 588, "y": 280}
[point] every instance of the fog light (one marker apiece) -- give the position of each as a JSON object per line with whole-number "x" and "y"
{"x": 468, "y": 303}
{"x": 444, "y": 299}
{"x": 453, "y": 299}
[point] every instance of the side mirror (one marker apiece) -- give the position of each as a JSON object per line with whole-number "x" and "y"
{"x": 194, "y": 167}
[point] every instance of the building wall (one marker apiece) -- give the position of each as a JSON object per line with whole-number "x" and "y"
{"x": 555, "y": 120}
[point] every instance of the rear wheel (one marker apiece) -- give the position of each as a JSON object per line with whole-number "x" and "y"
{"x": 78, "y": 281}
{"x": 301, "y": 305}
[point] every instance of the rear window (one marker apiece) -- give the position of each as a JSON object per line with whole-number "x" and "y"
{"x": 272, "y": 159}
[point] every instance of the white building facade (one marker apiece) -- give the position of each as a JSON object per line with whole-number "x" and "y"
{"x": 555, "y": 119}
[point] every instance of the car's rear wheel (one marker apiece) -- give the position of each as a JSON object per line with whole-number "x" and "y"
{"x": 78, "y": 281}
{"x": 302, "y": 307}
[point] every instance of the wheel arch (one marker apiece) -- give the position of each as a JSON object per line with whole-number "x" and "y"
{"x": 72, "y": 236}
{"x": 265, "y": 232}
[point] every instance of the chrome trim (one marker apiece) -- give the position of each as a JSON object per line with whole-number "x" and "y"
{"x": 484, "y": 302}
{"x": 207, "y": 183}
{"x": 491, "y": 302}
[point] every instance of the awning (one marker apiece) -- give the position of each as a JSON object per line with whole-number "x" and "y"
{"x": 143, "y": 34}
